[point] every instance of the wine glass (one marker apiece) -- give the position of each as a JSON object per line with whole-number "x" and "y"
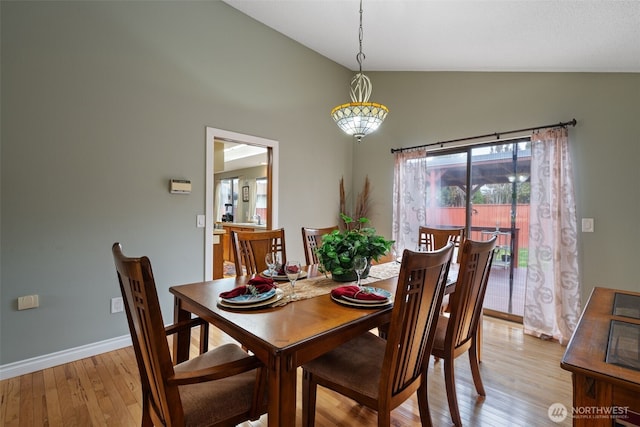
{"x": 292, "y": 270}
{"x": 395, "y": 253}
{"x": 273, "y": 261}
{"x": 359, "y": 265}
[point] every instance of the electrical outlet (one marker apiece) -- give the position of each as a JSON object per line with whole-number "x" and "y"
{"x": 117, "y": 305}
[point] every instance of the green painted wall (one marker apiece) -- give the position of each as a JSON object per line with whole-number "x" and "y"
{"x": 605, "y": 145}
{"x": 103, "y": 103}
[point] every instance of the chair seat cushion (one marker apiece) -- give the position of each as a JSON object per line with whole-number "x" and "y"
{"x": 356, "y": 364}
{"x": 207, "y": 403}
{"x": 441, "y": 333}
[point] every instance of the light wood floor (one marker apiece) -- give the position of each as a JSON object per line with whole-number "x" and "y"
{"x": 521, "y": 374}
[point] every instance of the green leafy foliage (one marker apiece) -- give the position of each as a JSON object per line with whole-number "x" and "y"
{"x": 340, "y": 247}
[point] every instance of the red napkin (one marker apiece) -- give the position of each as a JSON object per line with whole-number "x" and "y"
{"x": 281, "y": 272}
{"x": 353, "y": 291}
{"x": 259, "y": 280}
{"x": 260, "y": 284}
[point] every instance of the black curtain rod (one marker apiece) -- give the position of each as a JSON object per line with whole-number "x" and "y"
{"x": 495, "y": 134}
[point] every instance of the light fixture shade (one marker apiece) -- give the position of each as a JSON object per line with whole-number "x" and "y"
{"x": 359, "y": 118}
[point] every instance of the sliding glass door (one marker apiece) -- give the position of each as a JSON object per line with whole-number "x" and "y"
{"x": 500, "y": 207}
{"x": 447, "y": 190}
{"x": 485, "y": 188}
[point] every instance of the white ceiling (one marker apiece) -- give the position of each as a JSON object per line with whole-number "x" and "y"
{"x": 463, "y": 35}
{"x": 242, "y": 156}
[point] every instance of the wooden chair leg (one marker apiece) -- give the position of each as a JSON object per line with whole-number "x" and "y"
{"x": 384, "y": 418}
{"x": 475, "y": 369}
{"x": 450, "y": 383}
{"x": 478, "y": 344}
{"x": 309, "y": 388}
{"x": 258, "y": 394}
{"x": 147, "y": 421}
{"x": 423, "y": 404}
{"x": 383, "y": 331}
{"x": 204, "y": 338}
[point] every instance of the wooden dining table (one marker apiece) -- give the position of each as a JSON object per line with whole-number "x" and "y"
{"x": 282, "y": 337}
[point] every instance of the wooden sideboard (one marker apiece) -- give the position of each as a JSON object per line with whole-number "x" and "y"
{"x": 604, "y": 359}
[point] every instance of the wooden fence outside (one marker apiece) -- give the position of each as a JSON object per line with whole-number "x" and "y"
{"x": 489, "y": 217}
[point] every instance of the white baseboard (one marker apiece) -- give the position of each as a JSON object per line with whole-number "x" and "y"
{"x": 38, "y": 363}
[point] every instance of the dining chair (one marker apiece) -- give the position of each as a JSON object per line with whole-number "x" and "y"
{"x": 458, "y": 331}
{"x": 432, "y": 238}
{"x": 220, "y": 387}
{"x": 250, "y": 248}
{"x": 381, "y": 374}
{"x": 312, "y": 239}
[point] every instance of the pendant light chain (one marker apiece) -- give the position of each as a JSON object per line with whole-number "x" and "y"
{"x": 360, "y": 56}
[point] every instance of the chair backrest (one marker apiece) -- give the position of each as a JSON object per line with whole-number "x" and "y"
{"x": 250, "y": 248}
{"x": 147, "y": 333}
{"x": 431, "y": 238}
{"x": 419, "y": 293}
{"x": 312, "y": 239}
{"x": 466, "y": 302}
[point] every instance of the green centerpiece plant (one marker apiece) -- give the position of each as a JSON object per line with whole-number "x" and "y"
{"x": 340, "y": 247}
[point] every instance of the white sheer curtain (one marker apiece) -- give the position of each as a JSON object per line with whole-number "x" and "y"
{"x": 218, "y": 204}
{"x": 409, "y": 197}
{"x": 253, "y": 195}
{"x": 552, "y": 296}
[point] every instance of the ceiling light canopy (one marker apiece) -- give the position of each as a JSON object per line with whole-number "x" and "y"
{"x": 360, "y": 117}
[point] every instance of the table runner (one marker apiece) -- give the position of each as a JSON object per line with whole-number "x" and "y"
{"x": 321, "y": 285}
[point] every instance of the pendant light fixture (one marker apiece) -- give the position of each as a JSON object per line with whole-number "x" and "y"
{"x": 360, "y": 117}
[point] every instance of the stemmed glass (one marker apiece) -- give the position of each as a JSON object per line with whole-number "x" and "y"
{"x": 359, "y": 265}
{"x": 292, "y": 270}
{"x": 395, "y": 253}
{"x": 272, "y": 259}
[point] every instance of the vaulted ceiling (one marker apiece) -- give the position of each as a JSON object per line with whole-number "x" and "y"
{"x": 463, "y": 35}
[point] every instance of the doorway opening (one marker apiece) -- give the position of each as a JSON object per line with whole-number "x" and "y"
{"x": 266, "y": 203}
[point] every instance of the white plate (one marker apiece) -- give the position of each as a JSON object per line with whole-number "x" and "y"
{"x": 266, "y": 273}
{"x": 277, "y": 297}
{"x": 250, "y": 298}
{"x": 370, "y": 290}
{"x": 365, "y": 305}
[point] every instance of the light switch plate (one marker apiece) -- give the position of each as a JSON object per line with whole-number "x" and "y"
{"x": 200, "y": 221}
{"x": 587, "y": 225}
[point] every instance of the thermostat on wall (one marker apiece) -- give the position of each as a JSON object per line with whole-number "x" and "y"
{"x": 180, "y": 186}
